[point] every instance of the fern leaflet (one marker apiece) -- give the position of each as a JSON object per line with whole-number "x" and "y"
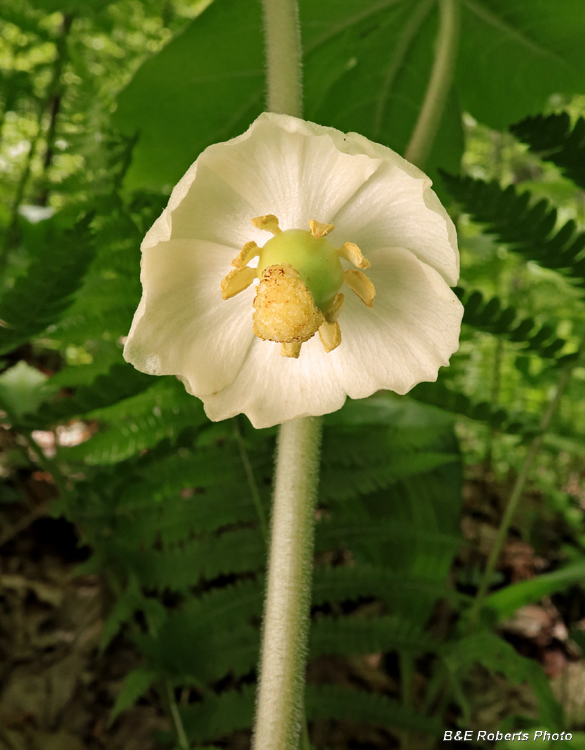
{"x": 553, "y": 139}
{"x": 527, "y": 229}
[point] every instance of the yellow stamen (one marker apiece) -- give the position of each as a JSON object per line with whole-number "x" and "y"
{"x": 332, "y": 312}
{"x": 290, "y": 350}
{"x": 330, "y": 335}
{"x": 284, "y": 309}
{"x": 269, "y": 223}
{"x": 285, "y": 306}
{"x": 320, "y": 230}
{"x": 361, "y": 285}
{"x": 236, "y": 281}
{"x": 249, "y": 251}
{"x": 353, "y": 254}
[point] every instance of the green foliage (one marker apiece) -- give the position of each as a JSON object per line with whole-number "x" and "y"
{"x": 60, "y": 259}
{"x": 356, "y": 635}
{"x": 135, "y": 685}
{"x": 507, "y": 600}
{"x": 496, "y": 655}
{"x": 163, "y": 498}
{"x": 555, "y": 139}
{"x": 366, "y": 70}
{"x": 121, "y": 382}
{"x": 527, "y": 228}
{"x": 437, "y": 394}
{"x": 22, "y": 388}
{"x": 494, "y": 317}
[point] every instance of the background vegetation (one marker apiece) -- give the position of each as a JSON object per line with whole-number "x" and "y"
{"x": 133, "y": 535}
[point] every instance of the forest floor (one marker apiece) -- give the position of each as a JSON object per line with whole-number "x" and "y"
{"x": 57, "y": 689}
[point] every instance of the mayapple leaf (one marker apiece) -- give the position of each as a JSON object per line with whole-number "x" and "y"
{"x": 366, "y": 69}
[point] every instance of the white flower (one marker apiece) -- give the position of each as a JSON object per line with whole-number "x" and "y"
{"x": 282, "y": 174}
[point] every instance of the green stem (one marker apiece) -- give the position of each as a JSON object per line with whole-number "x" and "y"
{"x": 176, "y": 717}
{"x": 283, "y": 57}
{"x": 425, "y": 130}
{"x": 285, "y": 633}
{"x": 517, "y": 490}
{"x": 285, "y": 629}
{"x": 251, "y": 479}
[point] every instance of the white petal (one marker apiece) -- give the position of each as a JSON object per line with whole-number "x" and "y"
{"x": 271, "y": 389}
{"x": 393, "y": 209}
{"x": 212, "y": 210}
{"x": 183, "y": 326}
{"x": 412, "y": 330}
{"x": 290, "y": 172}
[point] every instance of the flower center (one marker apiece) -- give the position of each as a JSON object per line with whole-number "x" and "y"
{"x": 300, "y": 276}
{"x": 314, "y": 258}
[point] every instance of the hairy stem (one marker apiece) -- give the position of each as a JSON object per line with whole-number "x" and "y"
{"x": 279, "y": 713}
{"x": 283, "y": 57}
{"x": 517, "y": 490}
{"x": 425, "y": 130}
{"x": 285, "y": 629}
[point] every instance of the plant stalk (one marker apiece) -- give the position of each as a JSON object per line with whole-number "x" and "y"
{"x": 283, "y": 57}
{"x": 425, "y": 130}
{"x": 279, "y": 713}
{"x": 285, "y": 628}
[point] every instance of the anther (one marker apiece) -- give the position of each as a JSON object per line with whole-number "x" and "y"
{"x": 236, "y": 281}
{"x": 320, "y": 230}
{"x": 291, "y": 350}
{"x": 361, "y": 285}
{"x": 330, "y": 335}
{"x": 268, "y": 223}
{"x": 249, "y": 251}
{"x": 353, "y": 254}
{"x": 332, "y": 312}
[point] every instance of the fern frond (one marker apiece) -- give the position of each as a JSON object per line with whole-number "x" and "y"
{"x": 202, "y": 468}
{"x": 222, "y": 608}
{"x": 143, "y": 421}
{"x": 528, "y": 230}
{"x": 494, "y": 317}
{"x": 42, "y": 295}
{"x": 553, "y": 139}
{"x": 344, "y": 704}
{"x": 437, "y": 394}
{"x": 79, "y": 328}
{"x": 347, "y": 483}
{"x": 177, "y": 519}
{"x": 336, "y": 533}
{"x": 179, "y": 568}
{"x": 131, "y": 601}
{"x": 121, "y": 382}
{"x": 342, "y": 583}
{"x": 219, "y": 715}
{"x": 200, "y": 657}
{"x": 358, "y": 635}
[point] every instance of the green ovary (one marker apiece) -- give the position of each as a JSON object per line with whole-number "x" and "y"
{"x": 314, "y": 258}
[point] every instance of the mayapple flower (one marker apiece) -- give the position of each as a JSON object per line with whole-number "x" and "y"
{"x": 294, "y": 266}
